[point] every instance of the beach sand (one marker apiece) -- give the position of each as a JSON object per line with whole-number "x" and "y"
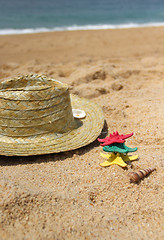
{"x": 68, "y": 195}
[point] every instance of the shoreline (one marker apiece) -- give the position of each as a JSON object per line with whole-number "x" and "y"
{"x": 8, "y": 31}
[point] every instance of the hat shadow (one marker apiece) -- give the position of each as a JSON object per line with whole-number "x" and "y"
{"x": 23, "y": 160}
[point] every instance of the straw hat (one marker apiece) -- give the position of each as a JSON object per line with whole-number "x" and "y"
{"x": 36, "y": 117}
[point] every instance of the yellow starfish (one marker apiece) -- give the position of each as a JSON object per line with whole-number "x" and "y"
{"x": 117, "y": 158}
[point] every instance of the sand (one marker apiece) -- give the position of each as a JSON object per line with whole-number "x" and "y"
{"x": 68, "y": 195}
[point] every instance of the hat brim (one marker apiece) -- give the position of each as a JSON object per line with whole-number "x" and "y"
{"x": 88, "y": 130}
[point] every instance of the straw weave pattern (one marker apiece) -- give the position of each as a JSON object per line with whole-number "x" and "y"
{"x": 36, "y": 117}
{"x": 59, "y": 102}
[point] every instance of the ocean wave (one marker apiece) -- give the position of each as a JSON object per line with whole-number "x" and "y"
{"x": 76, "y": 28}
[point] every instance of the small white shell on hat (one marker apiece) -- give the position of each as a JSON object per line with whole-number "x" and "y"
{"x": 78, "y": 113}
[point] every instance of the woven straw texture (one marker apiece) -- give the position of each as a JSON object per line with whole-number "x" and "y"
{"x": 36, "y": 117}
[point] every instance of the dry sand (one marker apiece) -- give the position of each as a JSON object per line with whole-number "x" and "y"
{"x": 68, "y": 195}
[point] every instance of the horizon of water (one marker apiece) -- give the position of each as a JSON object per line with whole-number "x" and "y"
{"x": 20, "y": 16}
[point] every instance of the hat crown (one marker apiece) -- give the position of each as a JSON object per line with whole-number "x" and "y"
{"x": 34, "y": 105}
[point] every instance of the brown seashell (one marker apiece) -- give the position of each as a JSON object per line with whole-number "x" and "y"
{"x": 137, "y": 176}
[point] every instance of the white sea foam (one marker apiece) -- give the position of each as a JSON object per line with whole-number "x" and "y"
{"x": 76, "y": 28}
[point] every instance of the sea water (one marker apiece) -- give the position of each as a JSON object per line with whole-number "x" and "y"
{"x": 29, "y": 16}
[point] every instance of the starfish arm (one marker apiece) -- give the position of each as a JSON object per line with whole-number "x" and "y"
{"x": 119, "y": 161}
{"x": 105, "y": 155}
{"x": 133, "y": 149}
{"x": 106, "y": 164}
{"x": 100, "y": 140}
{"x": 127, "y": 158}
{"x": 128, "y": 149}
{"x": 127, "y": 135}
{"x": 134, "y": 157}
{"x": 105, "y": 144}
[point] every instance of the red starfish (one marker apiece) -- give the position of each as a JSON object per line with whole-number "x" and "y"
{"x": 115, "y": 138}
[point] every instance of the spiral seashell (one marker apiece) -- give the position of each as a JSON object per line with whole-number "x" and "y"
{"x": 137, "y": 176}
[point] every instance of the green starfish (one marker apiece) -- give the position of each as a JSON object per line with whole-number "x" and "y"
{"x": 118, "y": 148}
